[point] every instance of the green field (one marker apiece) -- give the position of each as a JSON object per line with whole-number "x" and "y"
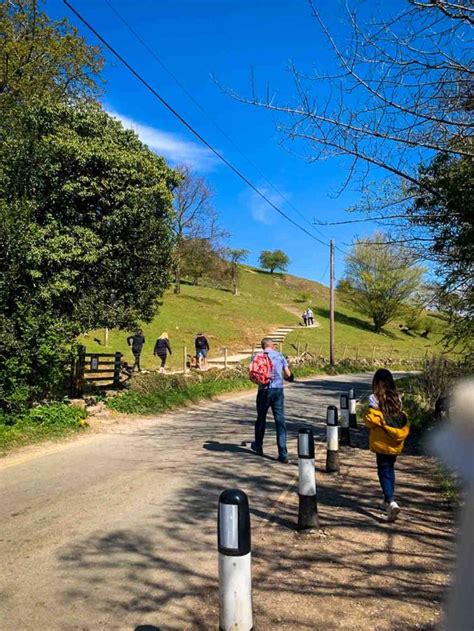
{"x": 265, "y": 301}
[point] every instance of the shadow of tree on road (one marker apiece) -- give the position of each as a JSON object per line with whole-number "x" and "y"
{"x": 358, "y": 571}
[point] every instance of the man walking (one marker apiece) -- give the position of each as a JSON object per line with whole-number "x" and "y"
{"x": 270, "y": 395}
{"x": 136, "y": 341}
{"x": 310, "y": 316}
{"x": 202, "y": 348}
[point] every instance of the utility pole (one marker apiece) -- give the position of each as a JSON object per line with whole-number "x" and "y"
{"x": 331, "y": 303}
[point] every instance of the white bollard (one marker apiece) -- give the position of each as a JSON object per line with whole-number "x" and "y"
{"x": 234, "y": 545}
{"x": 332, "y": 429}
{"x": 352, "y": 408}
{"x": 345, "y": 435}
{"x": 307, "y": 505}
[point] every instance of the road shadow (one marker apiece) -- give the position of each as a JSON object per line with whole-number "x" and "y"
{"x": 169, "y": 564}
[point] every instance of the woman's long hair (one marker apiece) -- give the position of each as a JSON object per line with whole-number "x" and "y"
{"x": 163, "y": 336}
{"x": 383, "y": 386}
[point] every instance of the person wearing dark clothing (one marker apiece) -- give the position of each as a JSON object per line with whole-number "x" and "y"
{"x": 162, "y": 347}
{"x": 202, "y": 348}
{"x": 136, "y": 342}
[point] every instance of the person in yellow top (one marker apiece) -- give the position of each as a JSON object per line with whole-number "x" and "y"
{"x": 388, "y": 428}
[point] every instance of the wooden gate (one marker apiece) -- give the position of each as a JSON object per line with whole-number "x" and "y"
{"x": 88, "y": 368}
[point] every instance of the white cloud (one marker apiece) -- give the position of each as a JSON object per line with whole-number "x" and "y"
{"x": 169, "y": 145}
{"x": 262, "y": 211}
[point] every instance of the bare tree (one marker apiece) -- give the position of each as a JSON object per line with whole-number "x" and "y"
{"x": 195, "y": 218}
{"x": 400, "y": 90}
{"x": 399, "y": 101}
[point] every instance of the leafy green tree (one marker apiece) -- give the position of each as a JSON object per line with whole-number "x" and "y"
{"x": 41, "y": 58}
{"x": 85, "y": 226}
{"x": 199, "y": 260}
{"x": 274, "y": 260}
{"x": 442, "y": 218}
{"x": 381, "y": 277}
{"x": 235, "y": 257}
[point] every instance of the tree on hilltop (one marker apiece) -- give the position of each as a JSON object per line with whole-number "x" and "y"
{"x": 235, "y": 256}
{"x": 274, "y": 260}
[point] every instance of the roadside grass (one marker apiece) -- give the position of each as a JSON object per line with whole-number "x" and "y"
{"x": 266, "y": 301}
{"x": 38, "y": 424}
{"x": 153, "y": 393}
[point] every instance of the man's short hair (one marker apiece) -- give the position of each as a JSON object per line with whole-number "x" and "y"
{"x": 266, "y": 342}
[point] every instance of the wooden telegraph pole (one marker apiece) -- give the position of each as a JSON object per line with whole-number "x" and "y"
{"x": 331, "y": 303}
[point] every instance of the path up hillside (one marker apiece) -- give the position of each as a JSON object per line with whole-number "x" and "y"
{"x": 267, "y": 303}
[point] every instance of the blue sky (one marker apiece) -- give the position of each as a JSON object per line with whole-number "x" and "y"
{"x": 198, "y": 39}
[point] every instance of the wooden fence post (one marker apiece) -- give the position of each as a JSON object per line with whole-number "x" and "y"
{"x": 185, "y": 360}
{"x": 117, "y": 367}
{"x": 80, "y": 365}
{"x": 357, "y": 353}
{"x": 320, "y": 350}
{"x": 225, "y": 357}
{"x": 344, "y": 351}
{"x": 373, "y": 352}
{"x": 298, "y": 350}
{"x": 390, "y": 354}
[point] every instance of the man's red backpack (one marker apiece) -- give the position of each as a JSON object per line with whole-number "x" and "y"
{"x": 260, "y": 369}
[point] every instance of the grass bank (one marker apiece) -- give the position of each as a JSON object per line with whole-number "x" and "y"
{"x": 153, "y": 393}
{"x": 266, "y": 301}
{"x": 41, "y": 423}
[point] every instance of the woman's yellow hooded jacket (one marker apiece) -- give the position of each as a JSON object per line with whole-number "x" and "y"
{"x": 385, "y": 438}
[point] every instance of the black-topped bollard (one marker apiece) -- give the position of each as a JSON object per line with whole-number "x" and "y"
{"x": 345, "y": 435}
{"x": 234, "y": 545}
{"x": 307, "y": 506}
{"x": 332, "y": 433}
{"x": 352, "y": 408}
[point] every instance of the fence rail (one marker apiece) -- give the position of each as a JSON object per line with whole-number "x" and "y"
{"x": 92, "y": 367}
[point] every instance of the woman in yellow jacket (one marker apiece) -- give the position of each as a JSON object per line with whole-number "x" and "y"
{"x": 388, "y": 429}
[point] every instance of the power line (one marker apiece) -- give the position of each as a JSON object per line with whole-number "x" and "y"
{"x": 202, "y": 109}
{"x": 184, "y": 122}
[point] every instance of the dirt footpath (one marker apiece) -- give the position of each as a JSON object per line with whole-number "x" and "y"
{"x": 358, "y": 571}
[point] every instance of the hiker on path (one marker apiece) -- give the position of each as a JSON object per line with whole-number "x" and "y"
{"x": 202, "y": 348}
{"x": 309, "y": 316}
{"x": 268, "y": 368}
{"x": 388, "y": 429}
{"x": 162, "y": 348}
{"x": 304, "y": 318}
{"x": 136, "y": 342}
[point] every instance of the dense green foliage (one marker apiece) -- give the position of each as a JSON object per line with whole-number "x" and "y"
{"x": 274, "y": 260}
{"x": 85, "y": 208}
{"x": 380, "y": 278}
{"x": 443, "y": 212}
{"x": 39, "y": 423}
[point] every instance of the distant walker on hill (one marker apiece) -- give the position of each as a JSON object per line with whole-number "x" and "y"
{"x": 202, "y": 348}
{"x": 162, "y": 348}
{"x": 137, "y": 342}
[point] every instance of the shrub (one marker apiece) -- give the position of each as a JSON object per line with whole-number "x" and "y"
{"x": 45, "y": 421}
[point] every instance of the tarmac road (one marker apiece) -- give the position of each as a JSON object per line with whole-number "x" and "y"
{"x": 117, "y": 529}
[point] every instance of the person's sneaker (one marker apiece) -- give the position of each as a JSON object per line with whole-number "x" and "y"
{"x": 384, "y": 506}
{"x": 283, "y": 460}
{"x": 393, "y": 511}
{"x": 254, "y": 448}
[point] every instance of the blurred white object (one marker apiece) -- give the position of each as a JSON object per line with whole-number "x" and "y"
{"x": 454, "y": 445}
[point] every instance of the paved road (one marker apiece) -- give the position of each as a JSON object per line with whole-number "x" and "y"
{"x": 117, "y": 529}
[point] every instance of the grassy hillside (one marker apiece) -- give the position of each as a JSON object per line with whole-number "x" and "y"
{"x": 265, "y": 301}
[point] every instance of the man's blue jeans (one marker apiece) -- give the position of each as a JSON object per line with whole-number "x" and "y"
{"x": 271, "y": 398}
{"x": 386, "y": 471}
